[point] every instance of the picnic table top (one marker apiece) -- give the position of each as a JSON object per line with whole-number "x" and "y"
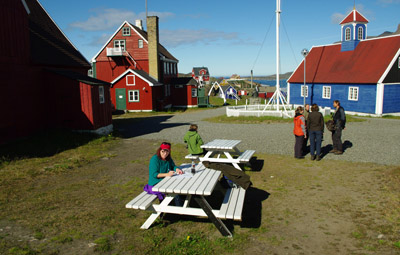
{"x": 221, "y": 144}
{"x": 201, "y": 183}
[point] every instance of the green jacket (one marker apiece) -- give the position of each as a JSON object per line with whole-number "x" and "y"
{"x": 193, "y": 140}
{"x": 159, "y": 166}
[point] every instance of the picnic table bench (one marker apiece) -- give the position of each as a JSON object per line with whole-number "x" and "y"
{"x": 200, "y": 185}
{"x": 228, "y": 148}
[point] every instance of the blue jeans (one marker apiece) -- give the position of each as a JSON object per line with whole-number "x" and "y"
{"x": 315, "y": 142}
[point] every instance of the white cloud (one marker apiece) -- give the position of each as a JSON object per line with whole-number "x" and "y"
{"x": 174, "y": 38}
{"x": 106, "y": 19}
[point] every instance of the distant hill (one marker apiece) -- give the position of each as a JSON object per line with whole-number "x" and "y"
{"x": 387, "y": 33}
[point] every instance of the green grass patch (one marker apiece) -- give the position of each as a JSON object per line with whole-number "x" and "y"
{"x": 266, "y": 119}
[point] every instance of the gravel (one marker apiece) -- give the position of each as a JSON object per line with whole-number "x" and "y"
{"x": 375, "y": 140}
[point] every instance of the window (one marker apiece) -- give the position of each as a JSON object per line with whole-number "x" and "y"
{"x": 167, "y": 89}
{"x": 101, "y": 94}
{"x": 347, "y": 34}
{"x": 140, "y": 44}
{"x": 90, "y": 73}
{"x": 304, "y": 91}
{"x": 119, "y": 44}
{"x": 353, "y": 93}
{"x": 360, "y": 33}
{"x": 179, "y": 86}
{"x": 326, "y": 92}
{"x": 398, "y": 62}
{"x": 133, "y": 95}
{"x": 130, "y": 80}
{"x": 194, "y": 92}
{"x": 126, "y": 31}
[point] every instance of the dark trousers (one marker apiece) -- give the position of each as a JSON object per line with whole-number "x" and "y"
{"x": 315, "y": 142}
{"x": 298, "y": 146}
{"x": 337, "y": 139}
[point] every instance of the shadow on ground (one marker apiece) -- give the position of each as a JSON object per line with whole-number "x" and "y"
{"x": 133, "y": 127}
{"x": 326, "y": 149}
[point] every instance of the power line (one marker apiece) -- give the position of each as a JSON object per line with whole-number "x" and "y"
{"x": 262, "y": 44}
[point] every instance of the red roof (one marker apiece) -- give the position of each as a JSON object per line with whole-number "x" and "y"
{"x": 354, "y": 16}
{"x": 365, "y": 64}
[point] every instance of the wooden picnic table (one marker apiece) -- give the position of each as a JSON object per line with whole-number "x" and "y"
{"x": 228, "y": 148}
{"x": 196, "y": 186}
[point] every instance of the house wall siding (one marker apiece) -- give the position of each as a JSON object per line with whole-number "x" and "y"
{"x": 365, "y": 104}
{"x": 391, "y": 99}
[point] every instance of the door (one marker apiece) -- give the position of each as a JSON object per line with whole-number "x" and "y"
{"x": 120, "y": 99}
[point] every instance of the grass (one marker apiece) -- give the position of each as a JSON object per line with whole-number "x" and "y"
{"x": 77, "y": 206}
{"x": 266, "y": 119}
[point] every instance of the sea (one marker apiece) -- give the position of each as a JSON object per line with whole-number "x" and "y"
{"x": 282, "y": 83}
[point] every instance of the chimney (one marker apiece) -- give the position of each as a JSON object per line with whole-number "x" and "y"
{"x": 152, "y": 37}
{"x": 138, "y": 23}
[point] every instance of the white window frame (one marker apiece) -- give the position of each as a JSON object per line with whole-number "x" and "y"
{"x": 117, "y": 44}
{"x": 133, "y": 96}
{"x": 140, "y": 43}
{"x": 134, "y": 80}
{"x": 326, "y": 92}
{"x": 398, "y": 63}
{"x": 353, "y": 93}
{"x": 126, "y": 31}
{"x": 194, "y": 92}
{"x": 101, "y": 95}
{"x": 360, "y": 32}
{"x": 302, "y": 91}
{"x": 347, "y": 34}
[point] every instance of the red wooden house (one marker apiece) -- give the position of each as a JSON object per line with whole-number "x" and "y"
{"x": 201, "y": 74}
{"x": 44, "y": 82}
{"x": 139, "y": 68}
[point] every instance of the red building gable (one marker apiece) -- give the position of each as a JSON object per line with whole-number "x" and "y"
{"x": 140, "y": 69}
{"x": 365, "y": 64}
{"x": 354, "y": 16}
{"x": 44, "y": 82}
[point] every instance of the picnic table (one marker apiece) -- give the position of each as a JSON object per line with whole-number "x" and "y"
{"x": 228, "y": 148}
{"x": 197, "y": 187}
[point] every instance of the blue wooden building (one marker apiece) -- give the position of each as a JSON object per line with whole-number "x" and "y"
{"x": 364, "y": 74}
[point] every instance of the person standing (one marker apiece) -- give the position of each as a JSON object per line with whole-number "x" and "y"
{"x": 306, "y": 112}
{"x": 315, "y": 128}
{"x": 299, "y": 132}
{"x": 193, "y": 140}
{"x": 339, "y": 118}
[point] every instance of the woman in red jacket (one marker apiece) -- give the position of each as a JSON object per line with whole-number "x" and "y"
{"x": 299, "y": 132}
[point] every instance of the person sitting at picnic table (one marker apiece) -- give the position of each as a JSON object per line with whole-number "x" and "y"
{"x": 161, "y": 166}
{"x": 193, "y": 140}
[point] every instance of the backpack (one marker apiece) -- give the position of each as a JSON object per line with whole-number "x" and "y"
{"x": 330, "y": 125}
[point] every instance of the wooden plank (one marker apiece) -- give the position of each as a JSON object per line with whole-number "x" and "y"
{"x": 136, "y": 199}
{"x": 232, "y": 203}
{"x": 177, "y": 181}
{"x": 189, "y": 184}
{"x": 198, "y": 181}
{"x": 203, "y": 184}
{"x": 239, "y": 205}
{"x": 246, "y": 155}
{"x": 161, "y": 183}
{"x": 211, "y": 185}
{"x": 225, "y": 204}
{"x": 165, "y": 185}
{"x": 147, "y": 202}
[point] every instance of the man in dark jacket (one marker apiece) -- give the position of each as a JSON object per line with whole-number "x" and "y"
{"x": 339, "y": 118}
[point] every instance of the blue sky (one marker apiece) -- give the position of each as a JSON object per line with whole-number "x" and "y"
{"x": 225, "y": 36}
